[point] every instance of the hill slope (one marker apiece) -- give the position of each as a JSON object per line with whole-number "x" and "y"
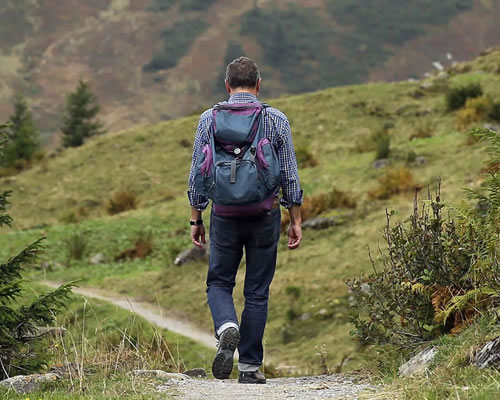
{"x": 332, "y": 125}
{"x": 152, "y": 60}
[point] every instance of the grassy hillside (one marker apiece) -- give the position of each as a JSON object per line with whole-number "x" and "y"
{"x": 334, "y": 127}
{"x": 152, "y": 60}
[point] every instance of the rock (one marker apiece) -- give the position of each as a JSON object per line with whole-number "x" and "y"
{"x": 318, "y": 223}
{"x": 418, "y": 364}
{"x": 381, "y": 163}
{"x": 28, "y": 383}
{"x": 196, "y": 373}
{"x": 492, "y": 127}
{"x": 42, "y": 331}
{"x": 97, "y": 259}
{"x": 419, "y": 161}
{"x": 305, "y": 316}
{"x": 192, "y": 254}
{"x": 158, "y": 373}
{"x": 489, "y": 355}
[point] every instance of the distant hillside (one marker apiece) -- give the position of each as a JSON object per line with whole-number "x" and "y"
{"x": 153, "y": 60}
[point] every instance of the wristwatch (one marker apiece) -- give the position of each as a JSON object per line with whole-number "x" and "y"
{"x": 197, "y": 222}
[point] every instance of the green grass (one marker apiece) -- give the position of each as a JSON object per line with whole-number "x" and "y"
{"x": 451, "y": 375}
{"x": 154, "y": 162}
{"x": 108, "y": 342}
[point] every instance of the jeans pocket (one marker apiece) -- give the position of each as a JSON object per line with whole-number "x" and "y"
{"x": 222, "y": 231}
{"x": 267, "y": 231}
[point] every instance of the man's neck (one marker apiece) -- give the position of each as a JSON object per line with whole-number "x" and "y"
{"x": 243, "y": 90}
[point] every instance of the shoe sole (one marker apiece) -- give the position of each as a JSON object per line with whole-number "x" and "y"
{"x": 223, "y": 361}
{"x": 251, "y": 381}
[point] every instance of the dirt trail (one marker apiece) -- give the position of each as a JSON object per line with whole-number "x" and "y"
{"x": 150, "y": 312}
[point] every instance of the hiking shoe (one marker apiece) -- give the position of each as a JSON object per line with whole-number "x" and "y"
{"x": 252, "y": 377}
{"x": 223, "y": 361}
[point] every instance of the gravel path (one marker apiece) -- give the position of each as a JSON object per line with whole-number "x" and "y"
{"x": 303, "y": 388}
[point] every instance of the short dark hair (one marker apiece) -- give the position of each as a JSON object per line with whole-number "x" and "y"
{"x": 243, "y": 73}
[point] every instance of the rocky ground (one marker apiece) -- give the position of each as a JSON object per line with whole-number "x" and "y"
{"x": 304, "y": 388}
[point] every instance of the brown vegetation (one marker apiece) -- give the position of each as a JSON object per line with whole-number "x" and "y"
{"x": 121, "y": 201}
{"x": 393, "y": 182}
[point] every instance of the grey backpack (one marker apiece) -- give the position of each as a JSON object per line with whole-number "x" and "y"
{"x": 239, "y": 169}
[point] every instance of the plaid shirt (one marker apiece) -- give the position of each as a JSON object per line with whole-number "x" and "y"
{"x": 277, "y": 129}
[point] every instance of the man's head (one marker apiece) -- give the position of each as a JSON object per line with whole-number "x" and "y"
{"x": 243, "y": 75}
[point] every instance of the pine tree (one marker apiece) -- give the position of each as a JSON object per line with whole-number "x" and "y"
{"x": 79, "y": 121}
{"x": 20, "y": 351}
{"x": 24, "y": 140}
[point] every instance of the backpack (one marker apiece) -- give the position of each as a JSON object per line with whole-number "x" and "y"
{"x": 238, "y": 169}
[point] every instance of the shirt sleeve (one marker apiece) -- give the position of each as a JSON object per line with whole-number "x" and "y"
{"x": 195, "y": 199}
{"x": 292, "y": 193}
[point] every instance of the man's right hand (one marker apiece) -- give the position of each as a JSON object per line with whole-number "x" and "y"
{"x": 198, "y": 235}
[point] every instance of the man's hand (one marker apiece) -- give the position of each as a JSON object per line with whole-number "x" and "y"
{"x": 198, "y": 235}
{"x": 294, "y": 236}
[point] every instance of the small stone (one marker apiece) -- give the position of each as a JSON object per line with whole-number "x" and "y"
{"x": 157, "y": 373}
{"x": 323, "y": 311}
{"x": 196, "y": 373}
{"x": 419, "y": 161}
{"x": 97, "y": 259}
{"x": 28, "y": 383}
{"x": 381, "y": 163}
{"x": 305, "y": 316}
{"x": 418, "y": 364}
{"x": 492, "y": 127}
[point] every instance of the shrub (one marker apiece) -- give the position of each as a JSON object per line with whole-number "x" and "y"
{"x": 411, "y": 157}
{"x": 476, "y": 110}
{"x": 143, "y": 247}
{"x": 373, "y": 142}
{"x": 76, "y": 245}
{"x": 456, "y": 97}
{"x": 305, "y": 158}
{"x": 383, "y": 147}
{"x": 437, "y": 273}
{"x": 394, "y": 181}
{"x": 121, "y": 201}
{"x": 422, "y": 130}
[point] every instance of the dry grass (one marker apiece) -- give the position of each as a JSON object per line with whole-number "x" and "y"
{"x": 121, "y": 201}
{"x": 393, "y": 182}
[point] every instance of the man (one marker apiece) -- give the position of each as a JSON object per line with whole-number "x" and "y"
{"x": 259, "y": 235}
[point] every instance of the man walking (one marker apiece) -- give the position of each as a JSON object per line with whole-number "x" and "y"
{"x": 257, "y": 231}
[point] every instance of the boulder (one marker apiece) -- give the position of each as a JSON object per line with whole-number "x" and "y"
{"x": 97, "y": 259}
{"x": 192, "y": 254}
{"x": 489, "y": 355}
{"x": 418, "y": 364}
{"x": 318, "y": 223}
{"x": 196, "y": 373}
{"x": 28, "y": 383}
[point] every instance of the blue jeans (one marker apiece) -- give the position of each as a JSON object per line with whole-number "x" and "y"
{"x": 259, "y": 236}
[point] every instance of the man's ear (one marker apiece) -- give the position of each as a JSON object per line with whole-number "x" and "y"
{"x": 228, "y": 88}
{"x": 257, "y": 86}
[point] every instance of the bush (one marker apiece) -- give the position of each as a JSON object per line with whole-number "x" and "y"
{"x": 456, "y": 97}
{"x": 422, "y": 130}
{"x": 411, "y": 157}
{"x": 320, "y": 203}
{"x": 383, "y": 147}
{"x": 476, "y": 109}
{"x": 437, "y": 273}
{"x": 305, "y": 158}
{"x": 143, "y": 247}
{"x": 394, "y": 181}
{"x": 121, "y": 201}
{"x": 378, "y": 140}
{"x": 76, "y": 246}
